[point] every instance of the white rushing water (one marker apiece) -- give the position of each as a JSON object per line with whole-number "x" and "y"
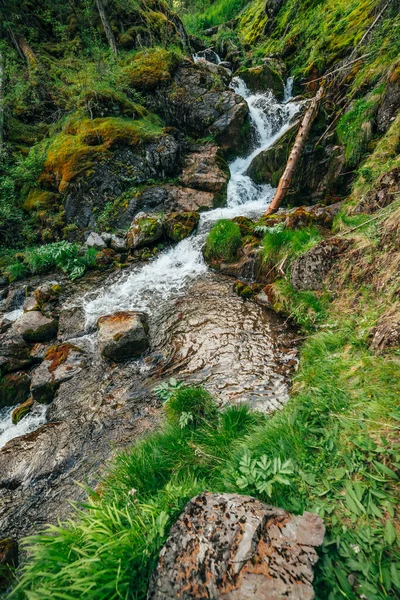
{"x": 148, "y": 287}
{"x": 8, "y": 431}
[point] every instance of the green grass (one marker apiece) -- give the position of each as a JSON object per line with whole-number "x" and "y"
{"x": 209, "y": 14}
{"x": 223, "y": 241}
{"x": 280, "y": 243}
{"x": 306, "y": 308}
{"x": 336, "y": 441}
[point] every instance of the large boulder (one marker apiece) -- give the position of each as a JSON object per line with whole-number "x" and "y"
{"x": 14, "y": 352}
{"x": 198, "y": 102}
{"x": 264, "y": 77}
{"x": 308, "y": 272}
{"x": 123, "y": 335}
{"x": 87, "y": 196}
{"x": 35, "y": 327}
{"x": 60, "y": 364}
{"x": 145, "y": 229}
{"x": 14, "y": 389}
{"x": 180, "y": 225}
{"x": 206, "y": 170}
{"x": 232, "y": 547}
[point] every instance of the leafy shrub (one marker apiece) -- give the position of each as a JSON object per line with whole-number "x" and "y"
{"x": 260, "y": 475}
{"x": 223, "y": 241}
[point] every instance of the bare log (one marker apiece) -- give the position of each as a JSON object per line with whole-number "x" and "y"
{"x": 107, "y": 27}
{"x": 285, "y": 180}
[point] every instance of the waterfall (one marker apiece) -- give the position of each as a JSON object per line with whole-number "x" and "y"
{"x": 150, "y": 286}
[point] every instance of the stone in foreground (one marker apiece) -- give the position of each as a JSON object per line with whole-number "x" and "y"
{"x": 123, "y": 335}
{"x": 232, "y": 547}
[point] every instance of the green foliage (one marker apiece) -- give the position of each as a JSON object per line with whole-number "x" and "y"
{"x": 205, "y": 14}
{"x": 166, "y": 390}
{"x": 190, "y": 405}
{"x": 306, "y": 308}
{"x": 260, "y": 475}
{"x": 60, "y": 255}
{"x": 280, "y": 243}
{"x": 223, "y": 241}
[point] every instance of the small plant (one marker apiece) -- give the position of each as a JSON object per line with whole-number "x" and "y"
{"x": 191, "y": 405}
{"x": 260, "y": 475}
{"x": 166, "y": 390}
{"x": 223, "y": 241}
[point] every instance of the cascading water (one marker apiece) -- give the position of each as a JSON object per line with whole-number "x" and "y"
{"x": 151, "y": 286}
{"x": 155, "y": 286}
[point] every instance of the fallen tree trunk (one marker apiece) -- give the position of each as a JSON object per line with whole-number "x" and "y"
{"x": 285, "y": 180}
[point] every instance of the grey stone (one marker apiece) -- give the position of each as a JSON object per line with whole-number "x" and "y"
{"x": 145, "y": 229}
{"x": 118, "y": 243}
{"x": 14, "y": 352}
{"x": 123, "y": 335}
{"x": 94, "y": 240}
{"x": 232, "y": 547}
{"x": 71, "y": 323}
{"x": 309, "y": 270}
{"x": 35, "y": 327}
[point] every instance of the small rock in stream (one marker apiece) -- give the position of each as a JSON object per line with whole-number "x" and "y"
{"x": 123, "y": 335}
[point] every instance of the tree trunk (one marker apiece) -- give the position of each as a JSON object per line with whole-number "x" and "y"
{"x": 1, "y": 103}
{"x": 27, "y": 51}
{"x": 107, "y": 27}
{"x": 285, "y": 180}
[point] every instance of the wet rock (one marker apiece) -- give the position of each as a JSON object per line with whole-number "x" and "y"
{"x": 14, "y": 389}
{"x": 15, "y": 299}
{"x": 35, "y": 327}
{"x": 3, "y": 283}
{"x": 318, "y": 174}
{"x": 106, "y": 237}
{"x": 248, "y": 267}
{"x": 14, "y": 352}
{"x": 21, "y": 411}
{"x": 8, "y": 560}
{"x": 123, "y": 335}
{"x": 31, "y": 304}
{"x": 127, "y": 166}
{"x": 389, "y": 107}
{"x": 61, "y": 363}
{"x": 386, "y": 334}
{"x": 180, "y": 225}
{"x": 145, "y": 229}
{"x": 384, "y": 193}
{"x": 308, "y": 272}
{"x": 232, "y": 547}
{"x": 264, "y": 77}
{"x": 47, "y": 294}
{"x": 189, "y": 199}
{"x": 71, "y": 323}
{"x": 118, "y": 243}
{"x": 206, "y": 170}
{"x": 199, "y": 103}
{"x": 4, "y": 293}
{"x": 105, "y": 258}
{"x": 210, "y": 55}
{"x": 95, "y": 241}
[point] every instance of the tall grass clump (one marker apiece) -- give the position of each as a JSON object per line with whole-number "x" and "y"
{"x": 280, "y": 242}
{"x": 223, "y": 241}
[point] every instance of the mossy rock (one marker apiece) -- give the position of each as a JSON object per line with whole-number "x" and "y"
{"x": 152, "y": 68}
{"x": 246, "y": 225}
{"x": 178, "y": 226}
{"x": 262, "y": 78}
{"x": 21, "y": 411}
{"x": 14, "y": 389}
{"x": 145, "y": 229}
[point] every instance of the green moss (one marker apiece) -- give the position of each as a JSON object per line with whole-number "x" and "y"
{"x": 21, "y": 411}
{"x": 151, "y": 68}
{"x": 223, "y": 241}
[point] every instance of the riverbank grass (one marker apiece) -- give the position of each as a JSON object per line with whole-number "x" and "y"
{"x": 223, "y": 241}
{"x": 333, "y": 450}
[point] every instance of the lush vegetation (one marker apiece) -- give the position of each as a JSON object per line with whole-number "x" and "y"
{"x": 223, "y": 241}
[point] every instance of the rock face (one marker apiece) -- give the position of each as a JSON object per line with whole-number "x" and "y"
{"x": 145, "y": 229}
{"x": 127, "y": 167}
{"x": 309, "y": 270}
{"x": 316, "y": 176}
{"x": 386, "y": 334}
{"x": 383, "y": 194}
{"x": 8, "y": 560}
{"x": 61, "y": 363}
{"x": 14, "y": 389}
{"x": 123, "y": 335}
{"x": 35, "y": 327}
{"x": 178, "y": 226}
{"x": 231, "y": 547}
{"x": 14, "y": 352}
{"x": 206, "y": 170}
{"x": 198, "y": 103}
{"x": 262, "y": 78}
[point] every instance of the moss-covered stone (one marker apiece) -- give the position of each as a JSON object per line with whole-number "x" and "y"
{"x": 180, "y": 225}
{"x": 145, "y": 229}
{"x": 151, "y": 68}
{"x": 263, "y": 77}
{"x": 14, "y": 389}
{"x": 21, "y": 411}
